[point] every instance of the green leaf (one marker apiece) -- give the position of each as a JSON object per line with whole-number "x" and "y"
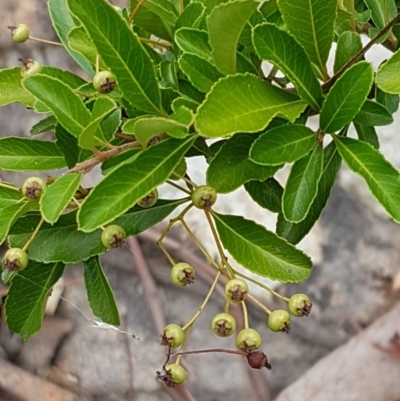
{"x": 281, "y": 49}
{"x": 32, "y": 285}
{"x": 246, "y": 39}
{"x": 191, "y": 16}
{"x": 381, "y": 177}
{"x": 9, "y": 196}
{"x": 110, "y": 164}
{"x": 151, "y": 168}
{"x": 168, "y": 73}
{"x": 312, "y": 23}
{"x": 387, "y": 77}
{"x": 284, "y": 144}
{"x": 268, "y": 193}
{"x": 47, "y": 124}
{"x": 231, "y": 167}
{"x": 23, "y": 154}
{"x": 194, "y": 41}
{"x": 11, "y": 89}
{"x": 126, "y": 58}
{"x": 346, "y": 97}
{"x": 382, "y": 11}
{"x": 367, "y": 134}
{"x": 63, "y": 23}
{"x": 349, "y": 43}
{"x": 201, "y": 73}
{"x": 302, "y": 185}
{"x": 225, "y": 24}
{"x": 260, "y": 251}
{"x": 99, "y": 293}
{"x": 256, "y": 103}
{"x": 373, "y": 114}
{"x": 295, "y": 232}
{"x": 66, "y": 105}
{"x": 57, "y": 196}
{"x": 391, "y": 102}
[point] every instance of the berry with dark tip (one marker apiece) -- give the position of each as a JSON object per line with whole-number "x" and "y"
{"x": 104, "y": 82}
{"x": 182, "y": 274}
{"x": 204, "y": 196}
{"x": 149, "y": 200}
{"x": 279, "y": 320}
{"x": 236, "y": 290}
{"x": 33, "y": 188}
{"x": 300, "y": 305}
{"x": 172, "y": 375}
{"x": 172, "y": 336}
{"x": 19, "y": 33}
{"x": 223, "y": 324}
{"x": 30, "y": 68}
{"x": 15, "y": 259}
{"x": 258, "y": 360}
{"x": 113, "y": 236}
{"x": 248, "y": 340}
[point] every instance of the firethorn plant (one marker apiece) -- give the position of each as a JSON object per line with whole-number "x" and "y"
{"x": 170, "y": 80}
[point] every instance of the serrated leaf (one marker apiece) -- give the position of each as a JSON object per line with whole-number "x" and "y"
{"x": 387, "y": 77}
{"x": 281, "y": 49}
{"x": 231, "y": 166}
{"x": 381, "y": 177}
{"x": 390, "y": 101}
{"x": 260, "y": 251}
{"x": 110, "y": 164}
{"x": 11, "y": 89}
{"x": 225, "y": 24}
{"x": 123, "y": 187}
{"x": 373, "y": 114}
{"x": 349, "y": 43}
{"x": 295, "y": 232}
{"x": 127, "y": 59}
{"x": 63, "y": 23}
{"x": 23, "y": 154}
{"x": 346, "y": 97}
{"x": 9, "y": 196}
{"x": 284, "y": 144}
{"x": 191, "y": 16}
{"x": 194, "y": 41}
{"x": 367, "y": 134}
{"x": 256, "y": 103}
{"x": 100, "y": 296}
{"x": 47, "y": 124}
{"x": 268, "y": 193}
{"x": 32, "y": 285}
{"x": 302, "y": 185}
{"x": 57, "y": 196}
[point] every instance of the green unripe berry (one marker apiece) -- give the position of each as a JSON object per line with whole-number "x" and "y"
{"x": 30, "y": 68}
{"x": 19, "y": 33}
{"x": 223, "y": 324}
{"x": 182, "y": 274}
{"x": 15, "y": 259}
{"x": 248, "y": 340}
{"x": 149, "y": 200}
{"x": 33, "y": 188}
{"x": 204, "y": 196}
{"x": 172, "y": 336}
{"x": 300, "y": 305}
{"x": 175, "y": 375}
{"x": 279, "y": 320}
{"x": 113, "y": 236}
{"x": 104, "y": 82}
{"x": 236, "y": 291}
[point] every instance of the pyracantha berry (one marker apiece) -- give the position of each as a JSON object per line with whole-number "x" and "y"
{"x": 182, "y": 274}
{"x": 172, "y": 336}
{"x": 15, "y": 259}
{"x": 248, "y": 340}
{"x": 19, "y": 33}
{"x": 113, "y": 236}
{"x": 104, "y": 82}
{"x": 172, "y": 375}
{"x": 236, "y": 290}
{"x": 258, "y": 360}
{"x": 300, "y": 305}
{"x": 204, "y": 196}
{"x": 149, "y": 200}
{"x": 33, "y": 188}
{"x": 223, "y": 324}
{"x": 279, "y": 320}
{"x": 30, "y": 68}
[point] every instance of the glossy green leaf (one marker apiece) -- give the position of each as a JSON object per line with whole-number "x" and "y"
{"x": 225, "y": 24}
{"x": 390, "y": 101}
{"x": 381, "y": 177}
{"x": 381, "y": 11}
{"x": 167, "y": 10}
{"x": 349, "y": 43}
{"x": 268, "y": 193}
{"x": 110, "y": 164}
{"x": 346, "y": 97}
{"x": 281, "y": 49}
{"x": 311, "y": 22}
{"x": 255, "y": 103}
{"x": 246, "y": 37}
{"x": 66, "y": 105}
{"x": 11, "y": 89}
{"x": 194, "y": 41}
{"x": 387, "y": 77}
{"x": 132, "y": 181}
{"x": 126, "y": 58}
{"x": 63, "y": 23}
{"x": 302, "y": 185}
{"x": 23, "y": 154}
{"x": 110, "y": 125}
{"x": 284, "y": 144}
{"x": 191, "y": 16}
{"x": 57, "y": 196}
{"x": 260, "y": 251}
{"x": 231, "y": 167}
{"x": 33, "y": 285}
{"x": 373, "y": 114}
{"x": 47, "y": 124}
{"x": 367, "y": 134}
{"x": 100, "y": 296}
{"x": 295, "y": 232}
{"x": 201, "y": 73}
{"x": 168, "y": 73}
{"x": 9, "y": 196}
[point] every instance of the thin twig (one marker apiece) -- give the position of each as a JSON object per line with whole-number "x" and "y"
{"x": 48, "y": 42}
